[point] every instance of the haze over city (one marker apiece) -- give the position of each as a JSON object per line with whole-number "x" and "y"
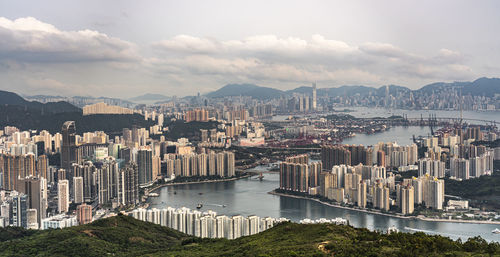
{"x": 249, "y": 128}
{"x": 128, "y": 48}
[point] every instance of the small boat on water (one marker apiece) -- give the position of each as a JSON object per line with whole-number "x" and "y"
{"x": 154, "y": 194}
{"x": 199, "y": 206}
{"x": 224, "y": 206}
{"x": 200, "y": 193}
{"x": 495, "y": 231}
{"x": 175, "y": 192}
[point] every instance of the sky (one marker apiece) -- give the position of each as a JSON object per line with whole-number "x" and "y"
{"x": 128, "y": 48}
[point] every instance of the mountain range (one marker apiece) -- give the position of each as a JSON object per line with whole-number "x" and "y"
{"x": 481, "y": 87}
{"x": 26, "y": 115}
{"x": 149, "y": 98}
{"x": 125, "y": 236}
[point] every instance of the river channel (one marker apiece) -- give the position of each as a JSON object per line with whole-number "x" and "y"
{"x": 249, "y": 196}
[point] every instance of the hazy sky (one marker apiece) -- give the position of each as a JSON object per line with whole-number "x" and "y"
{"x": 126, "y": 48}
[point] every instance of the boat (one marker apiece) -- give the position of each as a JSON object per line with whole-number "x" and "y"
{"x": 392, "y": 229}
{"x": 175, "y": 192}
{"x": 200, "y": 193}
{"x": 224, "y": 206}
{"x": 154, "y": 194}
{"x": 495, "y": 231}
{"x": 199, "y": 206}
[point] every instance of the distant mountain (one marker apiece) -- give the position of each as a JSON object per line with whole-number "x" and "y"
{"x": 346, "y": 91}
{"x": 80, "y": 101}
{"x": 252, "y": 90}
{"x": 300, "y": 90}
{"x": 9, "y": 98}
{"x": 16, "y": 111}
{"x": 149, "y": 97}
{"x": 478, "y": 87}
{"x": 481, "y": 86}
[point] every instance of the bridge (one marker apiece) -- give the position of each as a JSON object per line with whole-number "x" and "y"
{"x": 256, "y": 172}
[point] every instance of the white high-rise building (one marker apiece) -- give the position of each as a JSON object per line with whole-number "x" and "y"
{"x": 62, "y": 196}
{"x": 78, "y": 190}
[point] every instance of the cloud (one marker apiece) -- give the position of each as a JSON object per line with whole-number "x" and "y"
{"x": 91, "y": 62}
{"x": 271, "y": 59}
{"x": 30, "y": 40}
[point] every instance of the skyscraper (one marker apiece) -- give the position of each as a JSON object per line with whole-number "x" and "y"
{"x": 19, "y": 208}
{"x": 78, "y": 190}
{"x": 69, "y": 151}
{"x": 145, "y": 166}
{"x": 128, "y": 186}
{"x": 407, "y": 194}
{"x": 62, "y": 196}
{"x": 35, "y": 189}
{"x": 314, "y": 100}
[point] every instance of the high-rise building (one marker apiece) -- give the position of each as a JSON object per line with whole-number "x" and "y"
{"x": 314, "y": 97}
{"x": 62, "y": 196}
{"x": 145, "y": 166}
{"x": 128, "y": 185}
{"x": 361, "y": 194}
{"x": 69, "y": 150}
{"x": 297, "y": 175}
{"x": 381, "y": 197}
{"x": 78, "y": 190}
{"x": 42, "y": 166}
{"x": 36, "y": 190}
{"x": 334, "y": 155}
{"x": 381, "y": 158}
{"x": 84, "y": 214}
{"x": 434, "y": 168}
{"x": 433, "y": 193}
{"x": 104, "y": 180}
{"x": 19, "y": 210}
{"x": 459, "y": 168}
{"x": 406, "y": 198}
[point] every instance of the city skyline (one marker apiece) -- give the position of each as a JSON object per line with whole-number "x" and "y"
{"x": 184, "y": 48}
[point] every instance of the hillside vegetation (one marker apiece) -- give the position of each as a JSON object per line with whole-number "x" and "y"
{"x": 125, "y": 236}
{"x": 16, "y": 111}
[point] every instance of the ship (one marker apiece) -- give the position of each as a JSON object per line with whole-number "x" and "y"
{"x": 153, "y": 194}
{"x": 199, "y": 206}
{"x": 495, "y": 231}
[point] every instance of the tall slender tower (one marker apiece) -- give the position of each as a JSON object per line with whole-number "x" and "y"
{"x": 68, "y": 153}
{"x": 314, "y": 101}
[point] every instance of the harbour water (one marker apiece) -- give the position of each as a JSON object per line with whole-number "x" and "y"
{"x": 365, "y": 112}
{"x": 401, "y": 135}
{"x": 250, "y": 196}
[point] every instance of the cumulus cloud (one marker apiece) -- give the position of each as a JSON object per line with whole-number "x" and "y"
{"x": 90, "y": 62}
{"x": 30, "y": 40}
{"x": 272, "y": 59}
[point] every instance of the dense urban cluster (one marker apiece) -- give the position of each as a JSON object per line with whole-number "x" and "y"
{"x": 370, "y": 177}
{"x": 64, "y": 179}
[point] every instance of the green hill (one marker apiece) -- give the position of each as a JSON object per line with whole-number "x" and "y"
{"x": 125, "y": 236}
{"x": 25, "y": 115}
{"x": 27, "y": 118}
